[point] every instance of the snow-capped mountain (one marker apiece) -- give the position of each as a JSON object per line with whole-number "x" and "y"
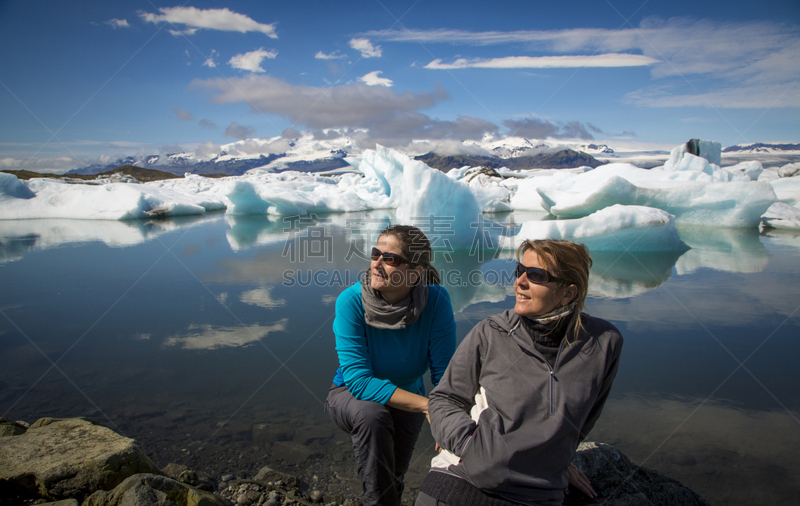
{"x": 764, "y": 148}
{"x": 307, "y": 153}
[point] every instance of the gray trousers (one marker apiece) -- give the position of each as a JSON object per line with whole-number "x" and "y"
{"x": 383, "y": 440}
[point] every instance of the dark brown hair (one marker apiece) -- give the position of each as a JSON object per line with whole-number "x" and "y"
{"x": 569, "y": 261}
{"x": 416, "y": 249}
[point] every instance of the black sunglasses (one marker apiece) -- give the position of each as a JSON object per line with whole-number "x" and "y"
{"x": 536, "y": 275}
{"x": 388, "y": 258}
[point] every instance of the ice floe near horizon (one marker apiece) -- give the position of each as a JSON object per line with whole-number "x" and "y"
{"x": 47, "y": 198}
{"x": 691, "y": 188}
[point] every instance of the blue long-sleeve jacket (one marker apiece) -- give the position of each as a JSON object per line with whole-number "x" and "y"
{"x": 374, "y": 362}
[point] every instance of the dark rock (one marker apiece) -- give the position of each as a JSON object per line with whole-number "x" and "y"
{"x": 268, "y": 475}
{"x": 65, "y": 502}
{"x": 152, "y": 490}
{"x": 182, "y": 474}
{"x": 11, "y": 428}
{"x": 619, "y": 482}
{"x": 67, "y": 458}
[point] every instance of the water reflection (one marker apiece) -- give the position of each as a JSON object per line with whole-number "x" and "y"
{"x": 237, "y": 339}
{"x": 728, "y": 454}
{"x": 18, "y": 237}
{"x": 722, "y": 249}
{"x": 207, "y": 337}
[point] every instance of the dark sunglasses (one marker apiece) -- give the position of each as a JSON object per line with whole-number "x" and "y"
{"x": 536, "y": 275}
{"x": 388, "y": 258}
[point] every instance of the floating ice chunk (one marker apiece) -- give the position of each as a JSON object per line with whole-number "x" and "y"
{"x": 783, "y": 216}
{"x": 684, "y": 156}
{"x": 527, "y": 199}
{"x": 768, "y": 175}
{"x": 790, "y": 170}
{"x": 116, "y": 201}
{"x": 12, "y": 187}
{"x": 420, "y": 193}
{"x": 736, "y": 204}
{"x": 295, "y": 193}
{"x": 615, "y": 228}
{"x": 751, "y": 169}
{"x": 787, "y": 189}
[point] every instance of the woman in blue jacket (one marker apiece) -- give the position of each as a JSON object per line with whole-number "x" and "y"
{"x": 390, "y": 329}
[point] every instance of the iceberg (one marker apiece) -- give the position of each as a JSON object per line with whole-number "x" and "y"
{"x": 782, "y": 216}
{"x": 711, "y": 151}
{"x": 426, "y": 197}
{"x": 47, "y": 198}
{"x": 734, "y": 204}
{"x": 614, "y": 228}
{"x": 787, "y": 190}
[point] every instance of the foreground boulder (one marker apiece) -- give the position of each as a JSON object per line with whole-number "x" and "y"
{"x": 67, "y": 458}
{"x": 619, "y": 482}
{"x": 152, "y": 490}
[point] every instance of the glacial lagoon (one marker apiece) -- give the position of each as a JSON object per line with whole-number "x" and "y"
{"x": 209, "y": 341}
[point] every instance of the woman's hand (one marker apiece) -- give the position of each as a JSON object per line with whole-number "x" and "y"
{"x": 406, "y": 401}
{"x": 579, "y": 480}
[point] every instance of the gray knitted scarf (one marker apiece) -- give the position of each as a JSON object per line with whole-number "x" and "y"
{"x": 380, "y": 314}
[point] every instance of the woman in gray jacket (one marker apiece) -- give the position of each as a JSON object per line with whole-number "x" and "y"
{"x": 523, "y": 389}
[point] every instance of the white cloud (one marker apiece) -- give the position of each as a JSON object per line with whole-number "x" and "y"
{"x": 366, "y": 48}
{"x": 238, "y": 131}
{"x": 372, "y": 79}
{"x": 118, "y": 23}
{"x": 542, "y": 62}
{"x": 213, "y": 19}
{"x": 210, "y": 60}
{"x": 207, "y": 151}
{"x": 183, "y": 114}
{"x": 178, "y": 33}
{"x": 252, "y": 61}
{"x": 745, "y": 97}
{"x": 333, "y": 56}
{"x": 747, "y": 63}
{"x": 207, "y": 123}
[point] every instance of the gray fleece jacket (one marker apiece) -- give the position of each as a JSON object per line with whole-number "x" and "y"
{"x": 537, "y": 415}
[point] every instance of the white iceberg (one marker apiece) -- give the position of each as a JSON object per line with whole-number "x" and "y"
{"x": 787, "y": 190}
{"x": 783, "y": 216}
{"x": 734, "y": 204}
{"x": 426, "y": 197}
{"x": 615, "y": 228}
{"x": 47, "y": 198}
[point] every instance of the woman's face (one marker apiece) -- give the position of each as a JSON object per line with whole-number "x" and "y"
{"x": 535, "y": 300}
{"x": 394, "y": 283}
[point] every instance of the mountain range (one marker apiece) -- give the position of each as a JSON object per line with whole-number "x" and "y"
{"x": 308, "y": 154}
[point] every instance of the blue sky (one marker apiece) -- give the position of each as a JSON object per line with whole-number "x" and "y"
{"x": 94, "y": 80}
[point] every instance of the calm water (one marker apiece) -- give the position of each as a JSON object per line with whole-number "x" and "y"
{"x": 209, "y": 341}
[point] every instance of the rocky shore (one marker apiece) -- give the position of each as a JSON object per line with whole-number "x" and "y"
{"x": 76, "y": 461}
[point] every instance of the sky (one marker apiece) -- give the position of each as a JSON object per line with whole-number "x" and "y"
{"x": 90, "y": 81}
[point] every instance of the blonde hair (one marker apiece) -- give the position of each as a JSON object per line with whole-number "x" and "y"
{"x": 416, "y": 249}
{"x": 569, "y": 261}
